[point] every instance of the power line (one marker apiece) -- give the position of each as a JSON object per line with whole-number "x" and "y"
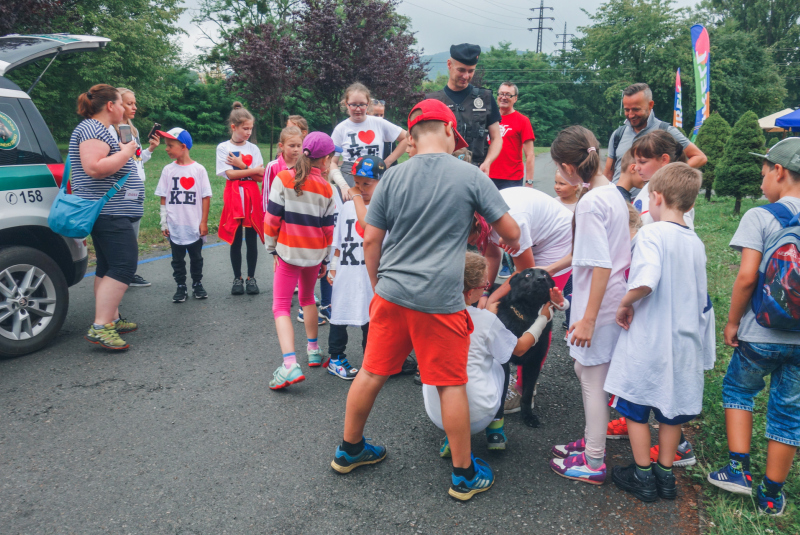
{"x": 541, "y": 18}
{"x": 461, "y": 20}
{"x": 461, "y": 7}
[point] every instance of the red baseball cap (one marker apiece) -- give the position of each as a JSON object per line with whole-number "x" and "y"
{"x": 436, "y": 110}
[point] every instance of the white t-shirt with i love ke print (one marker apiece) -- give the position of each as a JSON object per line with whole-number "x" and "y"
{"x": 249, "y": 153}
{"x": 184, "y": 187}
{"x": 364, "y": 139}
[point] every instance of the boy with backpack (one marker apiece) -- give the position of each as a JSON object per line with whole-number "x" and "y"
{"x": 764, "y": 328}
{"x": 424, "y": 210}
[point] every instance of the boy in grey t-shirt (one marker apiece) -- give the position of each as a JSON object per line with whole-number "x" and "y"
{"x": 426, "y": 205}
{"x": 761, "y": 351}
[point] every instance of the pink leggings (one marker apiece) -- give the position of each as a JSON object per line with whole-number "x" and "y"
{"x": 595, "y": 406}
{"x": 286, "y": 278}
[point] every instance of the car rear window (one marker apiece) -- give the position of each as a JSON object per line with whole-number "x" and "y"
{"x": 27, "y": 151}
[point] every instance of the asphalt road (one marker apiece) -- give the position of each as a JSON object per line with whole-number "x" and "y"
{"x": 182, "y": 435}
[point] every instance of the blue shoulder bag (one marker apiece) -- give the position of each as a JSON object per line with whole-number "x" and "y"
{"x": 72, "y": 216}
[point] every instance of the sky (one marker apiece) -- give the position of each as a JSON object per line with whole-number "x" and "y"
{"x": 484, "y": 22}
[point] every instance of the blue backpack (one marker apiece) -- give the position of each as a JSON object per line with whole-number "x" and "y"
{"x": 776, "y": 300}
{"x": 73, "y": 216}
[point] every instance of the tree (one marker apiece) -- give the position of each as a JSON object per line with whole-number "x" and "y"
{"x": 263, "y": 63}
{"x": 230, "y": 17}
{"x": 540, "y": 81}
{"x": 738, "y": 173}
{"x": 141, "y": 56}
{"x": 32, "y": 16}
{"x": 767, "y": 20}
{"x": 346, "y": 41}
{"x": 711, "y": 140}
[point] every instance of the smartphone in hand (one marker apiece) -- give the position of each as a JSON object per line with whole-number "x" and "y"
{"x": 156, "y": 126}
{"x": 125, "y": 134}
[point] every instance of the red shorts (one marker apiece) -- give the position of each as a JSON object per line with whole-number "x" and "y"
{"x": 441, "y": 342}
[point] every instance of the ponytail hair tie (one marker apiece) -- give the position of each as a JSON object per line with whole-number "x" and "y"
{"x": 591, "y": 149}
{"x": 89, "y": 95}
{"x": 306, "y": 152}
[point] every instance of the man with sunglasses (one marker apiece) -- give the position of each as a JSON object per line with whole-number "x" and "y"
{"x": 474, "y": 107}
{"x": 507, "y": 170}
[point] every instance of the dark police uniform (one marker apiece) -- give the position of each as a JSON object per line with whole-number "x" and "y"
{"x": 474, "y": 107}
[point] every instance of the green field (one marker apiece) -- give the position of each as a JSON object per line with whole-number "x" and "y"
{"x": 727, "y": 513}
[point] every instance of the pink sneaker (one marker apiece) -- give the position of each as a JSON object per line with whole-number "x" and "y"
{"x": 562, "y": 451}
{"x": 575, "y": 467}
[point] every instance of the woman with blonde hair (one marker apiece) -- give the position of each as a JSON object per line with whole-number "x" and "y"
{"x": 140, "y": 157}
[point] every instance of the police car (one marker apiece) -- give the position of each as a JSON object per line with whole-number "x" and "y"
{"x": 37, "y": 266}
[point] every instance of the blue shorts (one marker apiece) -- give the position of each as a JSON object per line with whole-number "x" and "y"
{"x": 641, "y": 413}
{"x": 745, "y": 379}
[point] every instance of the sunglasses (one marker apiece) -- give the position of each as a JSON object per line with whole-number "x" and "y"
{"x": 381, "y": 102}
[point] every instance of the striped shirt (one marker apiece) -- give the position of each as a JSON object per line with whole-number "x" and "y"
{"x": 93, "y": 189}
{"x": 299, "y": 228}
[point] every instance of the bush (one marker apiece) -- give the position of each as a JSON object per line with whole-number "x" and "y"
{"x": 711, "y": 140}
{"x": 738, "y": 173}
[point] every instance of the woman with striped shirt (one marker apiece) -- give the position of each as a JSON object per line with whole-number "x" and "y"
{"x": 98, "y": 162}
{"x": 298, "y": 229}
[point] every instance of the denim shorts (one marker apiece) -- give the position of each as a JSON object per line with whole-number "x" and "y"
{"x": 641, "y": 413}
{"x": 745, "y": 378}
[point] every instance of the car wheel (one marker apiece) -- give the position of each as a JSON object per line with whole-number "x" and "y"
{"x": 34, "y": 299}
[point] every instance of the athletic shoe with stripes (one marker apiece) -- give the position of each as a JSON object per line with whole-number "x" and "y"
{"x": 683, "y": 457}
{"x": 733, "y": 479}
{"x": 463, "y": 489}
{"x": 576, "y": 467}
{"x": 617, "y": 429}
{"x": 562, "y": 451}
{"x": 344, "y": 463}
{"x": 338, "y": 366}
{"x": 283, "y": 377}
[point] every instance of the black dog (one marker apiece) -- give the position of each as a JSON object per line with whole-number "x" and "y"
{"x": 530, "y": 289}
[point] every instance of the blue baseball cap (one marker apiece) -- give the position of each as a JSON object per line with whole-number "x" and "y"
{"x": 370, "y": 167}
{"x": 178, "y": 134}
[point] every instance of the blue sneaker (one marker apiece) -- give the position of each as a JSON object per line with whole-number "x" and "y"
{"x": 733, "y": 479}
{"x": 463, "y": 490}
{"x": 300, "y": 316}
{"x": 338, "y": 366}
{"x": 344, "y": 463}
{"x": 444, "y": 451}
{"x": 770, "y": 506}
{"x": 496, "y": 439}
{"x": 324, "y": 315}
{"x": 504, "y": 273}
{"x": 283, "y": 377}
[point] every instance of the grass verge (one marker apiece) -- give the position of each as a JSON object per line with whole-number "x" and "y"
{"x": 727, "y": 513}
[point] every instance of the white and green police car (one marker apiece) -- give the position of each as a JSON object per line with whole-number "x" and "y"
{"x": 37, "y": 266}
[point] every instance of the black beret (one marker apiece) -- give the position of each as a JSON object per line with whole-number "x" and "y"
{"x": 465, "y": 53}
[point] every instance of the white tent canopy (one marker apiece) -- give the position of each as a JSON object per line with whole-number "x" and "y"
{"x": 768, "y": 123}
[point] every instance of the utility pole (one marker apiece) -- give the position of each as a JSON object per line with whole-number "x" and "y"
{"x": 541, "y": 18}
{"x": 563, "y": 43}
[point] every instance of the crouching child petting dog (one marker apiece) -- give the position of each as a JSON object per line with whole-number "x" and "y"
{"x": 491, "y": 345}
{"x": 426, "y": 206}
{"x": 667, "y": 339}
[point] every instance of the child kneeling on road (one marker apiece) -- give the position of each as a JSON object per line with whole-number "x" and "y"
{"x": 668, "y": 335}
{"x": 185, "y": 199}
{"x": 426, "y": 206}
{"x": 490, "y": 346}
{"x": 763, "y": 324}
{"x": 352, "y": 291}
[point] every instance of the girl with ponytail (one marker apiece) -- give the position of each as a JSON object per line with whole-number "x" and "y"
{"x": 600, "y": 256}
{"x": 240, "y": 162}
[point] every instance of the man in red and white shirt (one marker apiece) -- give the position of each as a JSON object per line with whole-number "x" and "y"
{"x": 507, "y": 170}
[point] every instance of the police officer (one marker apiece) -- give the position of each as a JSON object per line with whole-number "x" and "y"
{"x": 474, "y": 107}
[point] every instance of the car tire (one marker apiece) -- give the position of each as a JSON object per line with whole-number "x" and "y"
{"x": 34, "y": 298}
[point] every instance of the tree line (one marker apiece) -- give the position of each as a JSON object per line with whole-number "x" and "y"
{"x": 286, "y": 57}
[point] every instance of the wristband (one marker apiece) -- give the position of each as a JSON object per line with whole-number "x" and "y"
{"x": 163, "y": 217}
{"x": 564, "y": 306}
{"x": 357, "y": 195}
{"x": 537, "y": 328}
{"x": 486, "y": 293}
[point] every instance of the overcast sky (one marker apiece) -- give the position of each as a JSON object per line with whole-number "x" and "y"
{"x": 485, "y": 22}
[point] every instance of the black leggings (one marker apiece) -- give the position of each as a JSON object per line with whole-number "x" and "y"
{"x": 251, "y": 237}
{"x": 501, "y": 411}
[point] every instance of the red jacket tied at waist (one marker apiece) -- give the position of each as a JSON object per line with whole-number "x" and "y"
{"x": 236, "y": 211}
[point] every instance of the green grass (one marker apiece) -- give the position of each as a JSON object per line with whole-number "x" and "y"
{"x": 727, "y": 513}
